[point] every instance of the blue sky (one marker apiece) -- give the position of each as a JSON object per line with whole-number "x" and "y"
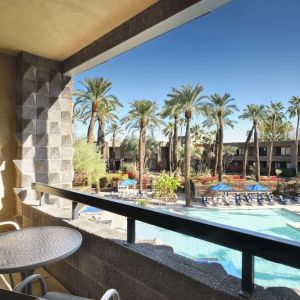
{"x": 249, "y": 48}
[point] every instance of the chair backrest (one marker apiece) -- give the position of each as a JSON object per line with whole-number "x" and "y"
{"x": 111, "y": 294}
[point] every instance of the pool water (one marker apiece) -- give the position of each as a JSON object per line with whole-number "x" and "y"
{"x": 268, "y": 221}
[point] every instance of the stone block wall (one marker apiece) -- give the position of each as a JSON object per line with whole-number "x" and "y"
{"x": 44, "y": 125}
{"x": 137, "y": 271}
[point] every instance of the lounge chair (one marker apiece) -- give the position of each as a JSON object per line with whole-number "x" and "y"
{"x": 204, "y": 200}
{"x": 259, "y": 199}
{"x": 237, "y": 199}
{"x": 226, "y": 200}
{"x": 111, "y": 294}
{"x": 269, "y": 198}
{"x": 248, "y": 199}
{"x": 282, "y": 200}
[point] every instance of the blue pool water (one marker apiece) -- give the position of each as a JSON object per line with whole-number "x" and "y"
{"x": 268, "y": 221}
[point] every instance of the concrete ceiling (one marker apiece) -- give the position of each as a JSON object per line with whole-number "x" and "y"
{"x": 57, "y": 29}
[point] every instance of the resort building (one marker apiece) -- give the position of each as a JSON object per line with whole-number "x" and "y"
{"x": 283, "y": 156}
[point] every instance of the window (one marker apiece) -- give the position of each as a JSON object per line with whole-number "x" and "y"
{"x": 239, "y": 151}
{"x": 277, "y": 164}
{"x": 262, "y": 151}
{"x": 285, "y": 151}
{"x": 288, "y": 165}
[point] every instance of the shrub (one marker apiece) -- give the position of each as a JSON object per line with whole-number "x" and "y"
{"x": 128, "y": 167}
{"x": 103, "y": 182}
{"x": 165, "y": 185}
{"x": 86, "y": 160}
{"x": 142, "y": 202}
{"x": 131, "y": 175}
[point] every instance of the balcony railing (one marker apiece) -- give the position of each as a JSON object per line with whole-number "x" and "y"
{"x": 249, "y": 243}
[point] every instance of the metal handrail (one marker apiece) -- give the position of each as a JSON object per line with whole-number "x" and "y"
{"x": 250, "y": 243}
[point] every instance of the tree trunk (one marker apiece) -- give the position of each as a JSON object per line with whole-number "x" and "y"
{"x": 141, "y": 156}
{"x": 175, "y": 143}
{"x": 170, "y": 154}
{"x": 101, "y": 136}
{"x": 271, "y": 148}
{"x": 257, "y": 162}
{"x": 246, "y": 148}
{"x": 187, "y": 162}
{"x": 296, "y": 142}
{"x": 220, "y": 154}
{"x": 113, "y": 153}
{"x": 90, "y": 133}
{"x": 216, "y": 151}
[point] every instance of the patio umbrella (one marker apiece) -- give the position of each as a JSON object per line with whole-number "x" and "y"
{"x": 222, "y": 187}
{"x": 256, "y": 187}
{"x": 89, "y": 210}
{"x": 128, "y": 182}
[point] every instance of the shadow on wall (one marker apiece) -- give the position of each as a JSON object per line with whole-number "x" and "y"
{"x": 7, "y": 181}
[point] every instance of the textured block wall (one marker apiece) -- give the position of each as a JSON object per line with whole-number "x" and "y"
{"x": 44, "y": 125}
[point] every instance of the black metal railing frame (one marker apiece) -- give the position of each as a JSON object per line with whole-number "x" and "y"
{"x": 249, "y": 243}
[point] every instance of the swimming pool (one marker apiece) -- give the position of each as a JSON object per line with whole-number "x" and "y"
{"x": 268, "y": 221}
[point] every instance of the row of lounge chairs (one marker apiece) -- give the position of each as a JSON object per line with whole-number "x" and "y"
{"x": 245, "y": 198}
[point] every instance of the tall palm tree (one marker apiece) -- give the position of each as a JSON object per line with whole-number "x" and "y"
{"x": 294, "y": 111}
{"x": 168, "y": 131}
{"x": 171, "y": 109}
{"x": 94, "y": 93}
{"x": 114, "y": 130}
{"x": 190, "y": 102}
{"x": 106, "y": 114}
{"x": 253, "y": 113}
{"x": 275, "y": 115}
{"x": 142, "y": 113}
{"x": 220, "y": 108}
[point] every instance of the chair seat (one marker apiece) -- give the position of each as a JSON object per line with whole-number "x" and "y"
{"x": 62, "y": 296}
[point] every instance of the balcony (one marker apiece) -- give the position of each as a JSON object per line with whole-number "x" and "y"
{"x": 109, "y": 258}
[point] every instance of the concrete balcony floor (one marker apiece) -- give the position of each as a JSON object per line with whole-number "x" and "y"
{"x": 52, "y": 283}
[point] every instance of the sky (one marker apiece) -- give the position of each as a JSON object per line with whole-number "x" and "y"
{"x": 248, "y": 48}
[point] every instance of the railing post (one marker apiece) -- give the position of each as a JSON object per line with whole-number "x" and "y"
{"x": 75, "y": 210}
{"x": 247, "y": 275}
{"x": 130, "y": 230}
{"x": 42, "y": 198}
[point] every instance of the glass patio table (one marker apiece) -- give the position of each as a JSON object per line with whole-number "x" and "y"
{"x": 30, "y": 248}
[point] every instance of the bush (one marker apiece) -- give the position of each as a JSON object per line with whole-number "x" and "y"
{"x": 87, "y": 161}
{"x": 142, "y": 202}
{"x": 164, "y": 186}
{"x": 128, "y": 167}
{"x": 131, "y": 175}
{"x": 103, "y": 182}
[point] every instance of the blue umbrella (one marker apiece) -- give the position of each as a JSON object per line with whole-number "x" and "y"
{"x": 221, "y": 187}
{"x": 256, "y": 187}
{"x": 90, "y": 210}
{"x": 128, "y": 182}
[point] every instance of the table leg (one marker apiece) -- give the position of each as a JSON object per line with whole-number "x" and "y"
{"x": 27, "y": 290}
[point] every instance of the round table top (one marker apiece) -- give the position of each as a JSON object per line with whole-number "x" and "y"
{"x": 34, "y": 247}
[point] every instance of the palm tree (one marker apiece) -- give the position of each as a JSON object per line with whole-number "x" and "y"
{"x": 294, "y": 111}
{"x": 197, "y": 134}
{"x": 254, "y": 113}
{"x": 106, "y": 113}
{"x": 142, "y": 113}
{"x": 275, "y": 115}
{"x": 171, "y": 109}
{"x": 189, "y": 100}
{"x": 114, "y": 129}
{"x": 181, "y": 123}
{"x": 217, "y": 112}
{"x": 168, "y": 131}
{"x": 89, "y": 99}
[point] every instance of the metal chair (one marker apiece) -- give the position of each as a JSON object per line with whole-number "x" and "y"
{"x": 17, "y": 227}
{"x": 111, "y": 294}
